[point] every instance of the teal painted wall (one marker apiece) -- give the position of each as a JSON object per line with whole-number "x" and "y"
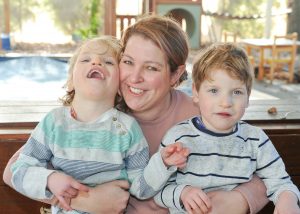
{"x": 192, "y": 14}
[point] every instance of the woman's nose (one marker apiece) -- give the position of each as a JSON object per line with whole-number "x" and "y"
{"x": 136, "y": 75}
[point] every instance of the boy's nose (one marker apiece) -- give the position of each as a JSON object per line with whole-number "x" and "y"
{"x": 226, "y": 101}
{"x": 96, "y": 62}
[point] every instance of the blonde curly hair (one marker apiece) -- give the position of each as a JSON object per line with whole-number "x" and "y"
{"x": 113, "y": 45}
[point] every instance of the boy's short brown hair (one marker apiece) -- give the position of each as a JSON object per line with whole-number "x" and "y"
{"x": 225, "y": 56}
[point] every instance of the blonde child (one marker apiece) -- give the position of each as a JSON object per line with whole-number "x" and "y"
{"x": 224, "y": 151}
{"x": 88, "y": 141}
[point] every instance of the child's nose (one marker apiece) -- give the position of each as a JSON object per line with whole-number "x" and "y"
{"x": 96, "y": 62}
{"x": 226, "y": 101}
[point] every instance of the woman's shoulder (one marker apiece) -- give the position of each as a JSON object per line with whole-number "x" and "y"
{"x": 185, "y": 103}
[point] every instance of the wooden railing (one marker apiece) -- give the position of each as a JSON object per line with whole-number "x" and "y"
{"x": 122, "y": 22}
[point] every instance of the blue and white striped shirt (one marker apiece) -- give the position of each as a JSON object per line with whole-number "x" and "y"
{"x": 111, "y": 147}
{"x": 223, "y": 161}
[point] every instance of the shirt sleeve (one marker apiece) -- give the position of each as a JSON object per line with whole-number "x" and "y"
{"x": 169, "y": 196}
{"x": 146, "y": 176}
{"x": 271, "y": 169}
{"x": 29, "y": 172}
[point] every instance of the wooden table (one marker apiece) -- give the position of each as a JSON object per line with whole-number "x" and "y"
{"x": 261, "y": 45}
{"x": 17, "y": 119}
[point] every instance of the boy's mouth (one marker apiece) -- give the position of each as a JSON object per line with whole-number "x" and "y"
{"x": 96, "y": 74}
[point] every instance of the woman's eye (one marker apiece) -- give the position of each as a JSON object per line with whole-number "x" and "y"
{"x": 128, "y": 62}
{"x": 151, "y": 68}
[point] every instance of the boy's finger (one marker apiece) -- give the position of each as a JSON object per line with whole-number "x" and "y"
{"x": 205, "y": 199}
{"x": 181, "y": 166}
{"x": 79, "y": 186}
{"x": 167, "y": 151}
{"x": 178, "y": 146}
{"x": 72, "y": 192}
{"x": 185, "y": 151}
{"x": 64, "y": 204}
{"x": 122, "y": 183}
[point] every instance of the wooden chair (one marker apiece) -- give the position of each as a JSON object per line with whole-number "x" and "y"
{"x": 281, "y": 56}
{"x": 233, "y": 37}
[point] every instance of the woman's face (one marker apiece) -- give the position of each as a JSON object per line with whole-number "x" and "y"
{"x": 144, "y": 74}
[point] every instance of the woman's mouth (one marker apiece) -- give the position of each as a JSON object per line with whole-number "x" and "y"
{"x": 135, "y": 90}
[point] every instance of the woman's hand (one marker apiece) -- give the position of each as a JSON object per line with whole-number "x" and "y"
{"x": 105, "y": 198}
{"x": 231, "y": 202}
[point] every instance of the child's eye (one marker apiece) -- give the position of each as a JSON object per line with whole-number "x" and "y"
{"x": 85, "y": 60}
{"x": 238, "y": 92}
{"x": 109, "y": 62}
{"x": 213, "y": 90}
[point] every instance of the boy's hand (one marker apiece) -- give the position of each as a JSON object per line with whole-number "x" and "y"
{"x": 287, "y": 204}
{"x": 64, "y": 187}
{"x": 195, "y": 200}
{"x": 175, "y": 155}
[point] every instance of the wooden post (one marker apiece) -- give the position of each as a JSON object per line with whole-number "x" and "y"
{"x": 110, "y": 17}
{"x": 6, "y": 11}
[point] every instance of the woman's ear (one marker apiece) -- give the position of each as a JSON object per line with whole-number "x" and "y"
{"x": 195, "y": 94}
{"x": 177, "y": 74}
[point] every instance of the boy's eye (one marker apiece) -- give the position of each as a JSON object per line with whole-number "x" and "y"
{"x": 85, "y": 60}
{"x": 109, "y": 62}
{"x": 213, "y": 90}
{"x": 237, "y": 92}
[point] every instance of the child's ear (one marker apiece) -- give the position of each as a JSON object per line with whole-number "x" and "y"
{"x": 195, "y": 94}
{"x": 177, "y": 74}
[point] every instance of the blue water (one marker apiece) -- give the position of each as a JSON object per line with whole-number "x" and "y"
{"x": 36, "y": 68}
{"x": 32, "y": 78}
{"x": 42, "y": 78}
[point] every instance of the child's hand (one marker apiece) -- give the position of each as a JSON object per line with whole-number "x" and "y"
{"x": 195, "y": 200}
{"x": 175, "y": 155}
{"x": 64, "y": 187}
{"x": 287, "y": 204}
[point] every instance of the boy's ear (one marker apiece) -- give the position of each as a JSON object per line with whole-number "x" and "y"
{"x": 177, "y": 74}
{"x": 195, "y": 94}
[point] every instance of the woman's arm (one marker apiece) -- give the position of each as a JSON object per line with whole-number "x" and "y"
{"x": 255, "y": 193}
{"x": 109, "y": 197}
{"x": 249, "y": 197}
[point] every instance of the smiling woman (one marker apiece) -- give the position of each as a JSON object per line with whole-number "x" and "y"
{"x": 32, "y": 77}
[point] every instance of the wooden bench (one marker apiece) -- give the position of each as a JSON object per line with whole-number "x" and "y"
{"x": 17, "y": 119}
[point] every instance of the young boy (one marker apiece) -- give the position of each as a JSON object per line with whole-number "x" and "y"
{"x": 87, "y": 140}
{"x": 224, "y": 151}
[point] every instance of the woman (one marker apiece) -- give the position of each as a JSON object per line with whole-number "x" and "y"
{"x": 152, "y": 63}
